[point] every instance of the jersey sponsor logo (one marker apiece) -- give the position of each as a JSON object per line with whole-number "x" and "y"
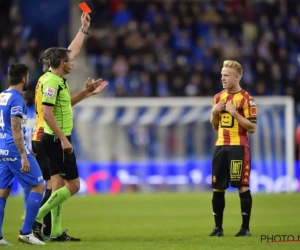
{"x": 50, "y": 92}
{"x": 16, "y": 110}
{"x": 8, "y": 159}
{"x": 4, "y": 97}
{"x": 252, "y": 103}
{"x": 2, "y": 135}
{"x": 4, "y": 151}
{"x": 24, "y": 121}
{"x": 226, "y": 120}
{"x": 236, "y": 167}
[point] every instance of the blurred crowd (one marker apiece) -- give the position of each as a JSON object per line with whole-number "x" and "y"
{"x": 17, "y": 43}
{"x": 176, "y": 48}
{"x": 161, "y": 48}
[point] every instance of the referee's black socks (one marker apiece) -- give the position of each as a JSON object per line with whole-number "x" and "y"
{"x": 246, "y": 206}
{"x": 47, "y": 218}
{"x": 218, "y": 204}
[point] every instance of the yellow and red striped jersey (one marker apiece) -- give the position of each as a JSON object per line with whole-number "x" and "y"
{"x": 230, "y": 132}
{"x": 39, "y": 124}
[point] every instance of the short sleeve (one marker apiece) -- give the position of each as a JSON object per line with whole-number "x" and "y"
{"x": 17, "y": 107}
{"x": 250, "y": 110}
{"x": 49, "y": 91}
{"x": 214, "y": 100}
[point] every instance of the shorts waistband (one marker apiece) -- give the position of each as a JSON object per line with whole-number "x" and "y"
{"x": 55, "y": 137}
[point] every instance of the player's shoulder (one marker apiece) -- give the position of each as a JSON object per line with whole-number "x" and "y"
{"x": 249, "y": 99}
{"x": 218, "y": 95}
{"x": 246, "y": 95}
{"x": 10, "y": 95}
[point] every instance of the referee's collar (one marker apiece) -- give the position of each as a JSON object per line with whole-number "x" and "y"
{"x": 57, "y": 76}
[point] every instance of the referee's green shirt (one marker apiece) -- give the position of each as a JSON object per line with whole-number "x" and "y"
{"x": 56, "y": 93}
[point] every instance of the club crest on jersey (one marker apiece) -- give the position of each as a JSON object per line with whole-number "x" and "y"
{"x": 50, "y": 92}
{"x": 16, "y": 110}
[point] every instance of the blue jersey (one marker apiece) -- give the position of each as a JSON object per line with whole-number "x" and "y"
{"x": 29, "y": 125}
{"x": 11, "y": 104}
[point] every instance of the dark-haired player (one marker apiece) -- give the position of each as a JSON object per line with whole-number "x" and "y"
{"x": 15, "y": 159}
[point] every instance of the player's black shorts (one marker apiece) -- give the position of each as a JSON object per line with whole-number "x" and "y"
{"x": 42, "y": 159}
{"x": 60, "y": 162}
{"x": 231, "y": 164}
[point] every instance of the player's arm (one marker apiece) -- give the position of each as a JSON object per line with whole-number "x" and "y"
{"x": 215, "y": 113}
{"x": 16, "y": 115}
{"x": 76, "y": 44}
{"x": 248, "y": 121}
{"x": 244, "y": 122}
{"x": 18, "y": 134}
{"x": 214, "y": 120}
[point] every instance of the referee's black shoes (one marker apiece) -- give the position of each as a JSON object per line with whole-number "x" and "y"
{"x": 63, "y": 237}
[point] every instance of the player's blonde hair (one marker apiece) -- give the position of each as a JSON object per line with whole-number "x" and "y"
{"x": 234, "y": 65}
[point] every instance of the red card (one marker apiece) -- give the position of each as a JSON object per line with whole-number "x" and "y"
{"x": 84, "y": 7}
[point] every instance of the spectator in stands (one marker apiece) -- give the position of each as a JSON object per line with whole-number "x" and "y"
{"x": 164, "y": 39}
{"x": 16, "y": 44}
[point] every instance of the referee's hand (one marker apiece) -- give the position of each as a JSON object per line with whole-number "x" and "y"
{"x": 25, "y": 165}
{"x": 67, "y": 146}
{"x": 94, "y": 87}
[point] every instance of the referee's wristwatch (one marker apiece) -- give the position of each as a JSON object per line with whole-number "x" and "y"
{"x": 84, "y": 31}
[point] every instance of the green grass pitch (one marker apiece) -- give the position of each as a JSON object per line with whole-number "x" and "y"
{"x": 164, "y": 221}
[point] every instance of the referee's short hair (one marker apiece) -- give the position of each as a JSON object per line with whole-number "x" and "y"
{"x": 45, "y": 59}
{"x": 53, "y": 57}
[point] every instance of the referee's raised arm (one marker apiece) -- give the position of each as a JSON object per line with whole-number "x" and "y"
{"x": 76, "y": 44}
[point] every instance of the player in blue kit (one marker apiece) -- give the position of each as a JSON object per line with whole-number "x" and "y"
{"x": 30, "y": 107}
{"x": 15, "y": 158}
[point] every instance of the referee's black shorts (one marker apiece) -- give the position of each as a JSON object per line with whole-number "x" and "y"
{"x": 42, "y": 159}
{"x": 60, "y": 162}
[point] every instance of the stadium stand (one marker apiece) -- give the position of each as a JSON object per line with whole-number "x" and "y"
{"x": 17, "y": 43}
{"x": 176, "y": 48}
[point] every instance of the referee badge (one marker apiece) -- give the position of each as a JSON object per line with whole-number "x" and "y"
{"x": 50, "y": 92}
